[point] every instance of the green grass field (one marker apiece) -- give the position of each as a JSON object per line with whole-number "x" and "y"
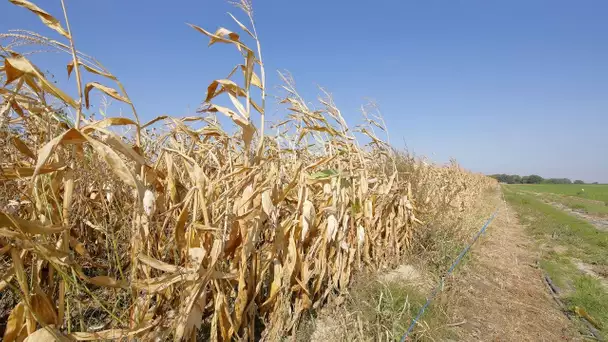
{"x": 597, "y": 192}
{"x": 593, "y": 201}
{"x": 565, "y": 241}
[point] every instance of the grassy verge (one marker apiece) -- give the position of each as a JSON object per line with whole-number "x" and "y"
{"x": 567, "y": 241}
{"x": 378, "y": 310}
{"x": 597, "y": 192}
{"x": 591, "y": 207}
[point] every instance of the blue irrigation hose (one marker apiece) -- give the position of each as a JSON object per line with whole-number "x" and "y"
{"x": 440, "y": 285}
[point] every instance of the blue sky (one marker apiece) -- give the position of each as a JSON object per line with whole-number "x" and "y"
{"x": 512, "y": 86}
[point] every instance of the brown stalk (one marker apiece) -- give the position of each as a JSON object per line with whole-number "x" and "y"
{"x": 69, "y": 182}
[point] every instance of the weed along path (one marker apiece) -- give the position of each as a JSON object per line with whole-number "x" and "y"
{"x": 501, "y": 295}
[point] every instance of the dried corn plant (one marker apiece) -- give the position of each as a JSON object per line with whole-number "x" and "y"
{"x": 170, "y": 232}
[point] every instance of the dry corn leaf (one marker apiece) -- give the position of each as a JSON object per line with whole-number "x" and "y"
{"x": 90, "y": 69}
{"x": 107, "y": 282}
{"x": 183, "y": 323}
{"x": 18, "y": 66}
{"x": 190, "y": 316}
{"x": 241, "y": 300}
{"x": 159, "y": 265}
{"x": 162, "y": 117}
{"x": 15, "y": 322}
{"x": 220, "y": 35}
{"x": 154, "y": 285}
{"x": 46, "y": 18}
{"x": 267, "y": 205}
{"x": 10, "y": 234}
{"x": 29, "y": 227}
{"x": 246, "y": 126}
{"x": 226, "y": 326}
{"x": 117, "y": 143}
{"x": 255, "y": 79}
{"x": 112, "y": 334}
{"x": 275, "y": 286}
{"x": 71, "y": 136}
{"x": 43, "y": 309}
{"x": 249, "y": 64}
{"x": 78, "y": 246}
{"x": 308, "y": 218}
{"x": 243, "y": 27}
{"x": 116, "y": 164}
{"x": 22, "y": 147}
{"x": 226, "y": 86}
{"x": 239, "y": 107}
{"x": 107, "y": 90}
{"x": 180, "y": 231}
{"x": 223, "y": 32}
{"x": 8, "y": 172}
{"x": 47, "y": 334}
{"x": 108, "y": 122}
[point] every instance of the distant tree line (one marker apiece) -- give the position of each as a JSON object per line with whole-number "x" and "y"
{"x": 533, "y": 179}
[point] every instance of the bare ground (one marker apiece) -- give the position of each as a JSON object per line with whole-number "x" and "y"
{"x": 501, "y": 295}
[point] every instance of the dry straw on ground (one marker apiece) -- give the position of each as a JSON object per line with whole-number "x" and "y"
{"x": 179, "y": 233}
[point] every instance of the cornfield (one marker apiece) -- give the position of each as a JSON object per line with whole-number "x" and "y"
{"x": 115, "y": 228}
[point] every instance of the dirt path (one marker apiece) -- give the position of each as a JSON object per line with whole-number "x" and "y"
{"x": 500, "y": 295}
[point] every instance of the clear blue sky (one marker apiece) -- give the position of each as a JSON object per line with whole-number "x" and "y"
{"x": 513, "y": 86}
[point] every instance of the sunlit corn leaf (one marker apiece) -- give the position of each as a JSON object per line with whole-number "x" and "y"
{"x": 220, "y": 37}
{"x": 159, "y": 265}
{"x": 71, "y": 136}
{"x": 158, "y": 284}
{"x": 151, "y": 122}
{"x": 226, "y": 86}
{"x": 243, "y": 27}
{"x": 116, "y": 164}
{"x": 90, "y": 69}
{"x": 47, "y": 334}
{"x": 239, "y": 107}
{"x": 255, "y": 79}
{"x": 108, "y": 122}
{"x": 107, "y": 90}
{"x": 46, "y": 18}
{"x": 248, "y": 129}
{"x": 15, "y": 322}
{"x": 249, "y": 64}
{"x": 112, "y": 334}
{"x": 18, "y": 66}
{"x": 116, "y": 143}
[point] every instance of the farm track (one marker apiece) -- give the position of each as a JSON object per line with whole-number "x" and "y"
{"x": 501, "y": 295}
